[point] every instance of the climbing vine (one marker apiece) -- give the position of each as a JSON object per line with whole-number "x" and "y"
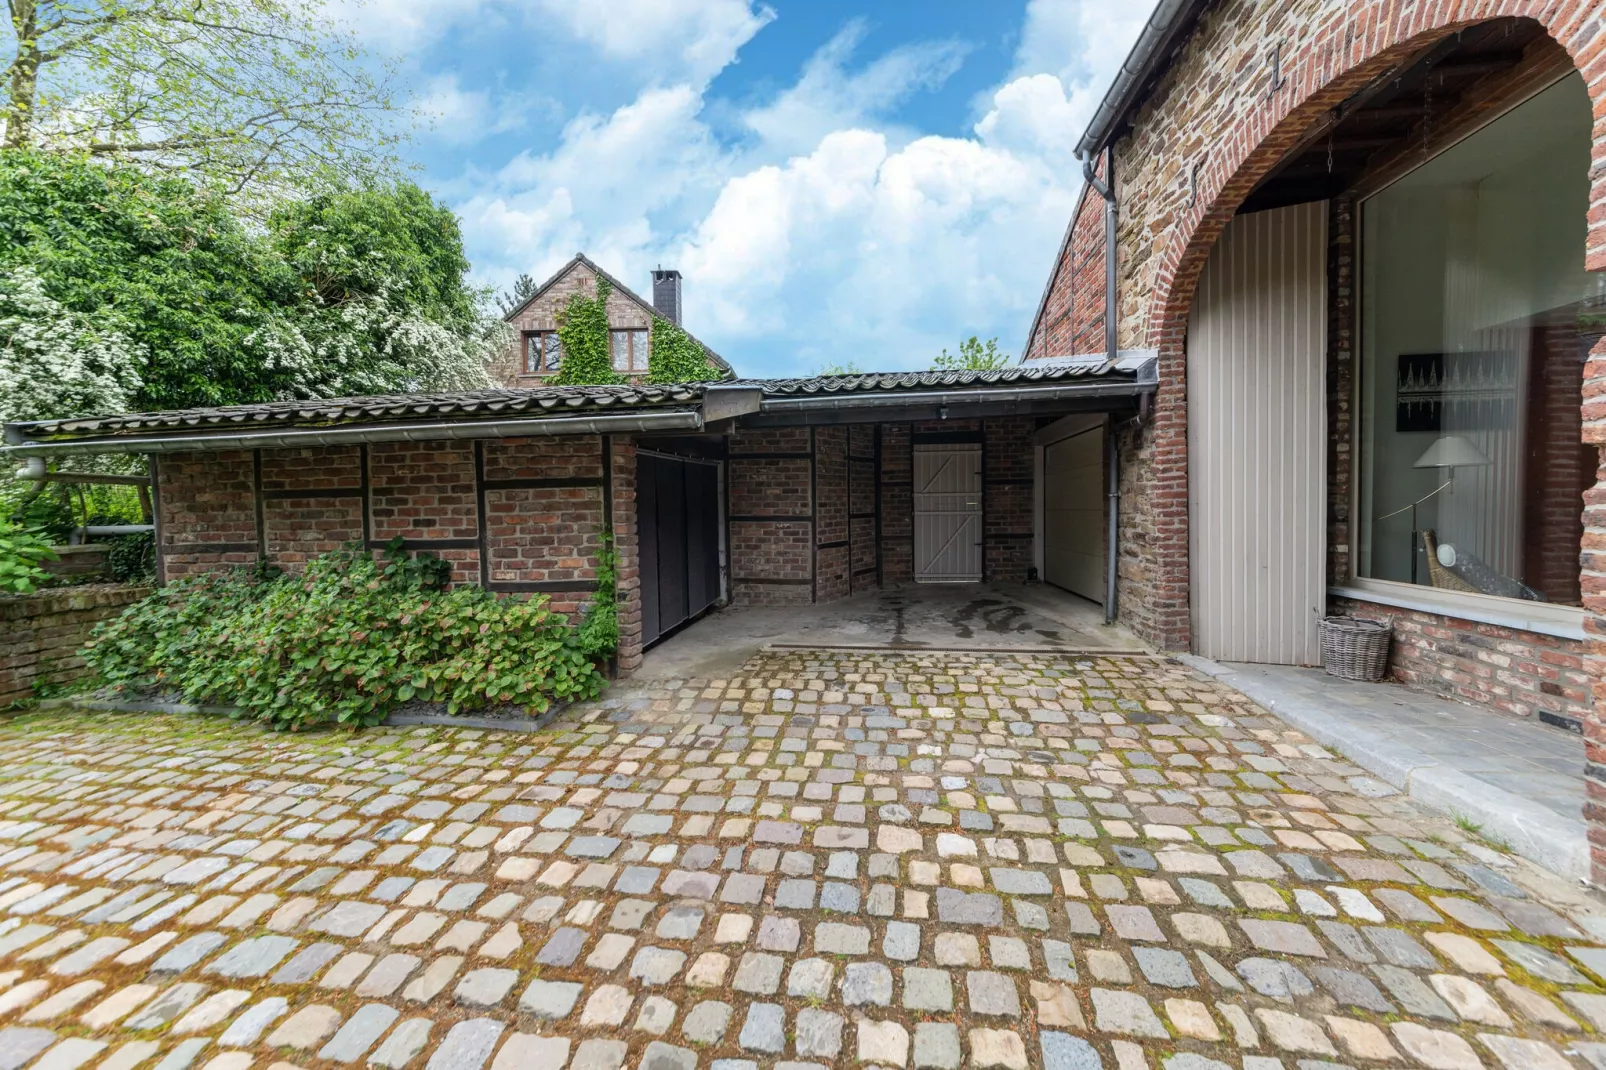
{"x": 677, "y": 357}
{"x": 583, "y": 331}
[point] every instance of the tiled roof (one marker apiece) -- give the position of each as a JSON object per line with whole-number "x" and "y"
{"x": 1018, "y": 375}
{"x": 526, "y": 403}
{"x": 466, "y": 405}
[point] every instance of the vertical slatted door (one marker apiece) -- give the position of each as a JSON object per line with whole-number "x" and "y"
{"x": 947, "y": 513}
{"x": 1257, "y": 437}
{"x": 677, "y": 515}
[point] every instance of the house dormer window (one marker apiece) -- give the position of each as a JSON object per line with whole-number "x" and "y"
{"x": 629, "y": 350}
{"x": 543, "y": 353}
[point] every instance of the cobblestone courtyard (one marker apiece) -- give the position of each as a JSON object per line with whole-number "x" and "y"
{"x": 925, "y": 861}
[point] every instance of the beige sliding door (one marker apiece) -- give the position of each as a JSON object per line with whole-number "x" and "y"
{"x": 1257, "y": 336}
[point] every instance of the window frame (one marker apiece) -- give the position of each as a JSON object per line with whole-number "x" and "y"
{"x": 524, "y": 353}
{"x": 1545, "y": 618}
{"x": 637, "y": 366}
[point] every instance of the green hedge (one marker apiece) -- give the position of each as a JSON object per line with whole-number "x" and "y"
{"x": 351, "y": 640}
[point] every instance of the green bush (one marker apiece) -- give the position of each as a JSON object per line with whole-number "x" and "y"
{"x": 347, "y": 642}
{"x": 21, "y": 555}
{"x": 676, "y": 357}
{"x": 131, "y": 558}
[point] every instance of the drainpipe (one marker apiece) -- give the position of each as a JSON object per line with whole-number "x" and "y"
{"x": 1106, "y": 189}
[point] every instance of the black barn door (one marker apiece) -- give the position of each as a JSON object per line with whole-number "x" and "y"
{"x": 677, "y": 509}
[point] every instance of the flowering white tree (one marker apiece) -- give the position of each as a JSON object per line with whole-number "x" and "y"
{"x": 55, "y": 362}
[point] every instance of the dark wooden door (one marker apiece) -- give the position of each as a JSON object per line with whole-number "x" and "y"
{"x": 677, "y": 510}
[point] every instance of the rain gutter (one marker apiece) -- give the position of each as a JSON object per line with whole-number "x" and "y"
{"x": 1168, "y": 18}
{"x": 645, "y": 422}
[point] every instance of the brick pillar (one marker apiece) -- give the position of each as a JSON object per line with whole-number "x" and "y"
{"x": 1593, "y": 583}
{"x": 626, "y": 548}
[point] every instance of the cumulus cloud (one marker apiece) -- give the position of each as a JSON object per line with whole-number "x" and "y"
{"x": 448, "y": 112}
{"x": 827, "y": 233}
{"x": 690, "y": 39}
{"x": 829, "y": 96}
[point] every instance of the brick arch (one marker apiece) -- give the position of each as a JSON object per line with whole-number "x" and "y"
{"x": 1336, "y": 59}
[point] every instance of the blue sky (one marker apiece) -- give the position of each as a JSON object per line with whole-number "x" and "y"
{"x": 838, "y": 182}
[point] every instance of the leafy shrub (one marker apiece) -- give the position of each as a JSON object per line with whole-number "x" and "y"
{"x": 347, "y": 642}
{"x": 583, "y": 333}
{"x": 21, "y": 554}
{"x": 676, "y": 357}
{"x": 131, "y": 558}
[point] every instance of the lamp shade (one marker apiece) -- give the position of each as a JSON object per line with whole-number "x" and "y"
{"x": 1452, "y": 451}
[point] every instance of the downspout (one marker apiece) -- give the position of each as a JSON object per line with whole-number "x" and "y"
{"x": 1106, "y": 189}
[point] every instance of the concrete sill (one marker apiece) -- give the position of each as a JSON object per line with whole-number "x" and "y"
{"x": 1564, "y": 622}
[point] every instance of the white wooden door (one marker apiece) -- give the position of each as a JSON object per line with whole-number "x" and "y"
{"x": 947, "y": 513}
{"x": 1257, "y": 435}
{"x": 1074, "y": 528}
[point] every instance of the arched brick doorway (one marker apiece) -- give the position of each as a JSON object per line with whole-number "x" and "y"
{"x": 1216, "y": 152}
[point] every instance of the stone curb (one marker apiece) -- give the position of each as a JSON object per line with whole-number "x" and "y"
{"x": 395, "y": 720}
{"x": 1535, "y": 832}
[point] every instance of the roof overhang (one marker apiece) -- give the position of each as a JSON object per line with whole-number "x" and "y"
{"x": 659, "y": 421}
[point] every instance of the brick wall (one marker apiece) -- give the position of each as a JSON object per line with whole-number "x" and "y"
{"x": 1207, "y": 133}
{"x": 1071, "y": 320}
{"x": 206, "y": 512}
{"x": 897, "y": 505}
{"x": 1517, "y": 672}
{"x": 1007, "y": 499}
{"x": 536, "y": 505}
{"x": 832, "y": 546}
{"x": 863, "y": 480}
{"x": 626, "y": 542}
{"x": 542, "y": 315}
{"x": 312, "y": 502}
{"x": 771, "y": 510}
{"x": 41, "y": 634}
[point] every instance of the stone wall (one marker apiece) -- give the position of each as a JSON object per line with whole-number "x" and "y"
{"x": 41, "y": 634}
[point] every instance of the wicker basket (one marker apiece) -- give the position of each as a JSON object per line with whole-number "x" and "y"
{"x": 1355, "y": 648}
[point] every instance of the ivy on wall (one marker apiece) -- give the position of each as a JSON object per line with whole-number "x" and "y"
{"x": 583, "y": 331}
{"x": 677, "y": 357}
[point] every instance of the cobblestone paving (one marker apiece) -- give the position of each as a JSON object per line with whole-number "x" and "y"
{"x": 832, "y": 859}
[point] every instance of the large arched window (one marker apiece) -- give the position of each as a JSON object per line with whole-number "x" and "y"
{"x": 1476, "y": 318}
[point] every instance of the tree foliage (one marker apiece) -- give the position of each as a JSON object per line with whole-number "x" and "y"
{"x": 167, "y": 297}
{"x": 583, "y": 332}
{"x": 250, "y": 97}
{"x": 973, "y": 355}
{"x": 673, "y": 356}
{"x": 522, "y": 290}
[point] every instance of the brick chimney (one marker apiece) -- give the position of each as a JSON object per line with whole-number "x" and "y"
{"x": 666, "y": 294}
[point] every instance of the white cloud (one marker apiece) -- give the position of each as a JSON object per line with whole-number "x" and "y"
{"x": 690, "y": 39}
{"x": 830, "y": 97}
{"x": 402, "y": 25}
{"x": 448, "y": 112}
{"x": 831, "y": 234}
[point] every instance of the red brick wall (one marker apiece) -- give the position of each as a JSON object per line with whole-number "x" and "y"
{"x": 1517, "y": 672}
{"x": 206, "y": 512}
{"x": 1007, "y": 497}
{"x": 312, "y": 502}
{"x": 831, "y": 577}
{"x": 897, "y": 505}
{"x": 1559, "y": 466}
{"x": 543, "y": 523}
{"x": 627, "y": 550}
{"x": 542, "y": 315}
{"x": 862, "y": 480}
{"x": 539, "y": 530}
{"x": 1072, "y": 317}
{"x": 41, "y": 634}
{"x": 772, "y": 543}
